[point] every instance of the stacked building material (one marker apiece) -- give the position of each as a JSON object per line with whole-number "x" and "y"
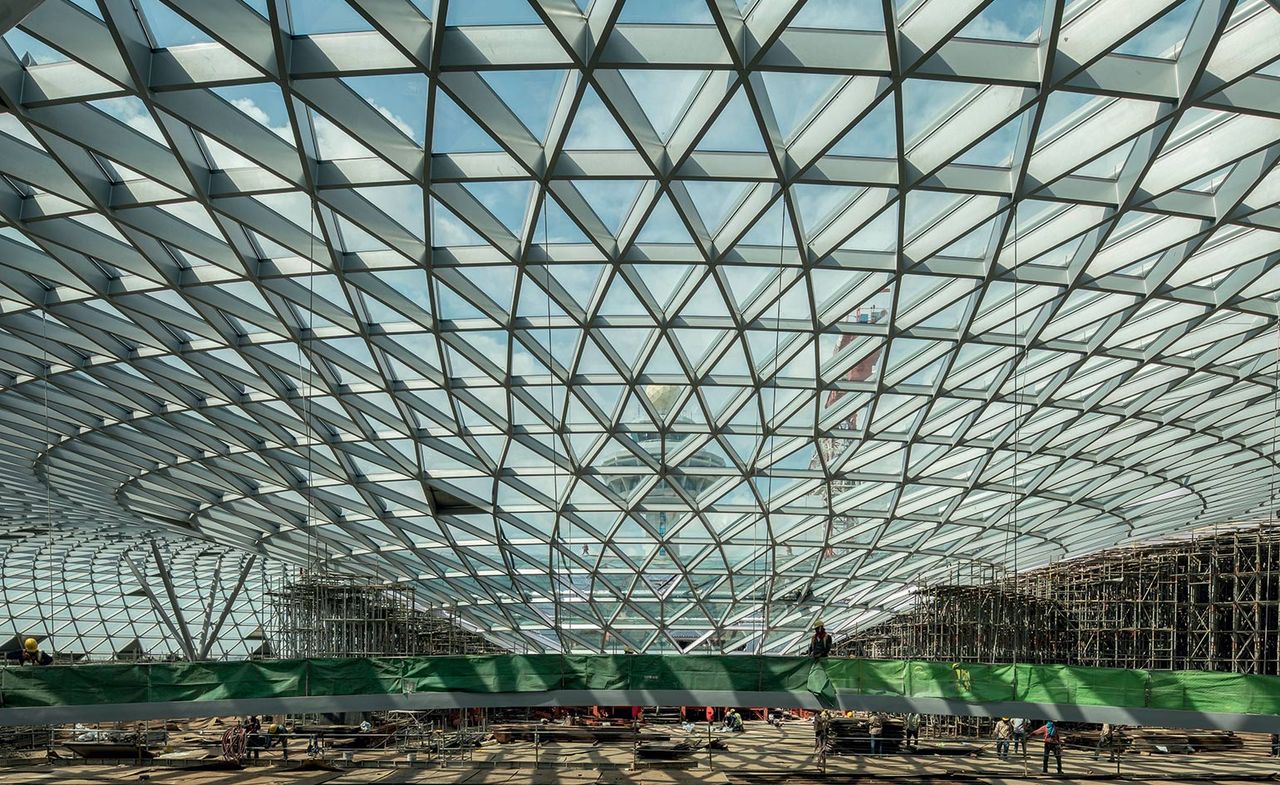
{"x": 851, "y": 736}
{"x": 1160, "y": 741}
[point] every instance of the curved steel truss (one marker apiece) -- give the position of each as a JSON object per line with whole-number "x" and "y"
{"x": 652, "y": 324}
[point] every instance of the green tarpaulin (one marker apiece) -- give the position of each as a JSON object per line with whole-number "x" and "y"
{"x": 826, "y": 682}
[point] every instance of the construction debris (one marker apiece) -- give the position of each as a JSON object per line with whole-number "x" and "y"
{"x": 1176, "y": 741}
{"x": 851, "y": 735}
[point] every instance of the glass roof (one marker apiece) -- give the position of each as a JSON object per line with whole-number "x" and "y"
{"x": 645, "y": 324}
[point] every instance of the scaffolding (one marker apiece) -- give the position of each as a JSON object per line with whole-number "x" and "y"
{"x": 321, "y": 614}
{"x": 1210, "y": 602}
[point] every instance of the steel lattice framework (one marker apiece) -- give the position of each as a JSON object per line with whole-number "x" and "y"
{"x": 143, "y": 595}
{"x": 827, "y": 297}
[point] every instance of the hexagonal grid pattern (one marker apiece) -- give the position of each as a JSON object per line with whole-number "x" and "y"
{"x": 643, "y": 324}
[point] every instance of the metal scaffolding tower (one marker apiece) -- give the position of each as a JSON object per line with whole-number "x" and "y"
{"x": 1211, "y": 602}
{"x": 327, "y": 615}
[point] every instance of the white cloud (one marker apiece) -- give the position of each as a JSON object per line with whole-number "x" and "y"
{"x": 249, "y": 107}
{"x": 133, "y": 113}
{"x": 394, "y": 118}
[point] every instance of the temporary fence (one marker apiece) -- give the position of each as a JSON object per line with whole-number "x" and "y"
{"x": 204, "y": 689}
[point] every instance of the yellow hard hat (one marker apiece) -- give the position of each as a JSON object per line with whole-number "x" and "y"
{"x": 818, "y": 624}
{"x": 30, "y": 644}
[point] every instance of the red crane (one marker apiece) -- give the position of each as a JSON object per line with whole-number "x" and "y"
{"x": 864, "y": 368}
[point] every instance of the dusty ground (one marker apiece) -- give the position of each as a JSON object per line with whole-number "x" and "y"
{"x": 762, "y": 756}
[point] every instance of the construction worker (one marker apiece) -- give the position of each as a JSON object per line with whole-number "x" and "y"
{"x": 875, "y": 728}
{"x": 911, "y": 731}
{"x": 1052, "y": 744}
{"x": 254, "y": 740}
{"x": 820, "y": 643}
{"x": 30, "y": 654}
{"x": 1106, "y": 740}
{"x": 733, "y": 721}
{"x": 821, "y": 731}
{"x": 1003, "y": 733}
{"x": 1019, "y": 735}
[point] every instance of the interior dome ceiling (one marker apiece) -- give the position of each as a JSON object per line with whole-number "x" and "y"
{"x": 814, "y": 311}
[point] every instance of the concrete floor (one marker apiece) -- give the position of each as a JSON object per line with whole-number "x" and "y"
{"x": 768, "y": 755}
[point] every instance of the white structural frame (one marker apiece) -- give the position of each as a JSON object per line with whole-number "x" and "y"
{"x": 962, "y": 300}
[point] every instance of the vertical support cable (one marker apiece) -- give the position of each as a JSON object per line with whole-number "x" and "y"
{"x": 313, "y": 540}
{"x": 557, "y": 553}
{"x": 1265, "y": 568}
{"x": 1019, "y": 356}
{"x": 766, "y": 514}
{"x": 1007, "y": 605}
{"x": 48, "y": 455}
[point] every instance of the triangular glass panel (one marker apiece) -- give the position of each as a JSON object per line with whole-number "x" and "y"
{"x": 454, "y": 305}
{"x": 579, "y": 280}
{"x": 490, "y": 12}
{"x": 507, "y": 200}
{"x": 747, "y": 282}
{"x": 261, "y": 102}
{"x": 696, "y": 344}
{"x": 531, "y": 95}
{"x": 31, "y": 50}
{"x": 605, "y": 396}
{"x": 716, "y": 199}
{"x": 874, "y": 136}
{"x": 733, "y": 363}
{"x": 610, "y": 200}
{"x": 454, "y": 131}
{"x": 796, "y": 97}
{"x": 334, "y": 143}
{"x": 319, "y": 17}
{"x": 735, "y": 129}
{"x": 447, "y": 229}
{"x": 410, "y": 284}
{"x": 354, "y": 239}
{"x": 924, "y": 208}
{"x": 1209, "y": 183}
{"x": 1006, "y": 20}
{"x": 1164, "y": 37}
{"x": 663, "y": 362}
{"x": 663, "y": 95}
{"x": 929, "y": 102}
{"x": 534, "y": 301}
{"x": 665, "y": 12}
{"x": 558, "y": 227}
{"x": 706, "y": 301}
{"x": 772, "y": 229}
{"x": 661, "y": 280}
{"x": 620, "y": 300}
{"x": 999, "y": 148}
{"x": 594, "y": 127}
{"x": 1107, "y": 166}
{"x": 401, "y": 98}
{"x": 167, "y": 28}
{"x": 402, "y": 203}
{"x": 664, "y": 225}
{"x": 816, "y": 205}
{"x": 840, "y": 15}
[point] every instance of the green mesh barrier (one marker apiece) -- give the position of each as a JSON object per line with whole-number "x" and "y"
{"x": 822, "y": 682}
{"x": 73, "y": 685}
{"x": 183, "y": 681}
